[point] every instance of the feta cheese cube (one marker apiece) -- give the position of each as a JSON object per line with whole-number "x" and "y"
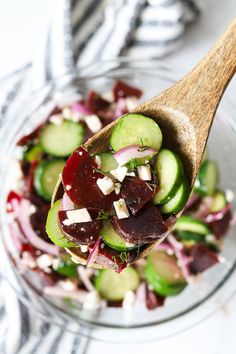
{"x": 77, "y": 216}
{"x": 93, "y": 122}
{"x": 106, "y": 185}
{"x": 84, "y": 248}
{"x": 144, "y": 172}
{"x": 121, "y": 209}
{"x": 117, "y": 188}
{"x": 56, "y": 119}
{"x": 98, "y": 160}
{"x": 119, "y": 173}
{"x": 131, "y": 102}
{"x": 130, "y": 174}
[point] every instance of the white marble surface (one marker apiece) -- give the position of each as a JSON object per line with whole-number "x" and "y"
{"x": 21, "y": 26}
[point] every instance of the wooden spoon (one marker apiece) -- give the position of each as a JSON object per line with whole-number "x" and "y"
{"x": 184, "y": 112}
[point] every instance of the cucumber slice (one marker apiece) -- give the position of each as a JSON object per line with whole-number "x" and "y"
{"x": 108, "y": 162}
{"x": 163, "y": 274}
{"x": 113, "y": 286}
{"x": 33, "y": 153}
{"x": 191, "y": 224}
{"x": 45, "y": 177}
{"x": 190, "y": 236}
{"x": 135, "y": 129}
{"x": 207, "y": 178}
{"x": 169, "y": 170}
{"x": 219, "y": 202}
{"x": 113, "y": 240}
{"x": 52, "y": 228}
{"x": 177, "y": 203}
{"x": 61, "y": 140}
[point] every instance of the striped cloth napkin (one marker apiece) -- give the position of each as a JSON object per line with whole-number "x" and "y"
{"x": 80, "y": 32}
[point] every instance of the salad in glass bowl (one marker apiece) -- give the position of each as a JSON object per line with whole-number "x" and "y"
{"x": 193, "y": 247}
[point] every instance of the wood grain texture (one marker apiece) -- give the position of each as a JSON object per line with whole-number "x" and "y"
{"x": 184, "y": 112}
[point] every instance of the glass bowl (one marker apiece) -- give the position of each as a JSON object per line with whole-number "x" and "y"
{"x": 201, "y": 298}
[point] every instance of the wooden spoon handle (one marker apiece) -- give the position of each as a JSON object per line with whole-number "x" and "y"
{"x": 206, "y": 83}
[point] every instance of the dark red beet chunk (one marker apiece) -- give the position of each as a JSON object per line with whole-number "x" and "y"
{"x": 96, "y": 103}
{"x": 220, "y": 227}
{"x": 83, "y": 233}
{"x": 136, "y": 193}
{"x": 145, "y": 227}
{"x": 121, "y": 89}
{"x": 107, "y": 256}
{"x": 80, "y": 172}
{"x": 202, "y": 258}
{"x": 153, "y": 300}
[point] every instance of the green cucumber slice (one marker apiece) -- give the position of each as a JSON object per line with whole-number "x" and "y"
{"x": 177, "y": 203}
{"x": 113, "y": 286}
{"x": 61, "y": 140}
{"x": 135, "y": 129}
{"x": 108, "y": 162}
{"x": 219, "y": 202}
{"x": 52, "y": 228}
{"x": 207, "y": 178}
{"x": 45, "y": 177}
{"x": 191, "y": 224}
{"x": 113, "y": 240}
{"x": 32, "y": 153}
{"x": 163, "y": 274}
{"x": 169, "y": 170}
{"x": 190, "y": 236}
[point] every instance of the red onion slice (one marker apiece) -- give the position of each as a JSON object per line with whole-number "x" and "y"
{"x": 94, "y": 253}
{"x": 80, "y": 108}
{"x": 133, "y": 152}
{"x": 67, "y": 204}
{"x": 21, "y": 210}
{"x": 183, "y": 260}
{"x": 121, "y": 108}
{"x": 218, "y": 215}
{"x": 84, "y": 275}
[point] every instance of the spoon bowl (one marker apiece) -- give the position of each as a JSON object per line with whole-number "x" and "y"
{"x": 184, "y": 112}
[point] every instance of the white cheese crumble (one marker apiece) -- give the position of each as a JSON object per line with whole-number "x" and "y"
{"x": 119, "y": 173}
{"x": 77, "y": 216}
{"x": 106, "y": 185}
{"x": 56, "y": 119}
{"x": 93, "y": 122}
{"x": 27, "y": 260}
{"x": 44, "y": 262}
{"x": 98, "y": 161}
{"x": 130, "y": 174}
{"x": 67, "y": 285}
{"x": 121, "y": 209}
{"x": 129, "y": 300}
{"x": 92, "y": 301}
{"x": 32, "y": 209}
{"x": 229, "y": 195}
{"x": 68, "y": 187}
{"x": 108, "y": 96}
{"x": 117, "y": 187}
{"x": 67, "y": 113}
{"x": 131, "y": 103}
{"x": 83, "y": 248}
{"x": 144, "y": 172}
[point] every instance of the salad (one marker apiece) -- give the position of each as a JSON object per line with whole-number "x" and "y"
{"x": 122, "y": 199}
{"x": 193, "y": 247}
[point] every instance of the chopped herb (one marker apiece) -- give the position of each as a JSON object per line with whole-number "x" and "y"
{"x": 104, "y": 215}
{"x": 132, "y": 164}
{"x": 152, "y": 186}
{"x": 124, "y": 256}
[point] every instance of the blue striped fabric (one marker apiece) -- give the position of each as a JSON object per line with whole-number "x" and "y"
{"x": 81, "y": 32}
